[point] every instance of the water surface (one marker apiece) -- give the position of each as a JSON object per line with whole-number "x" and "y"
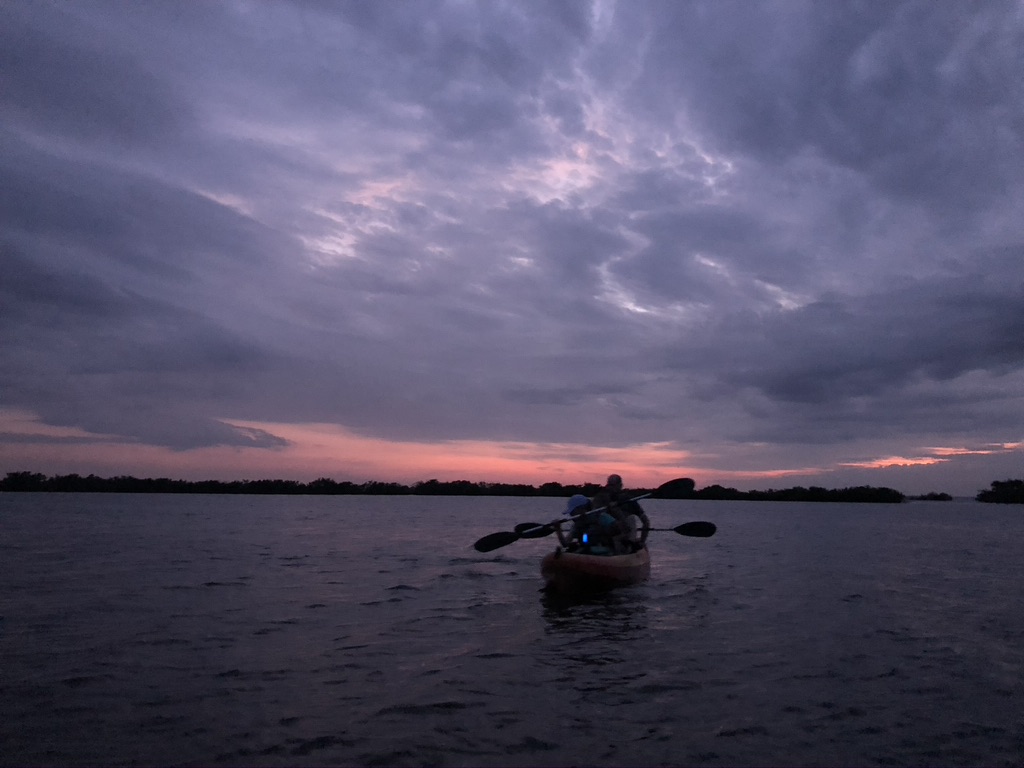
{"x": 356, "y": 630}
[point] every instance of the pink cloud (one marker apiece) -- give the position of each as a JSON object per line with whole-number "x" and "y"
{"x": 894, "y": 461}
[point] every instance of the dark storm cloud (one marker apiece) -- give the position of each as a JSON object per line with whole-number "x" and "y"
{"x": 784, "y": 223}
{"x": 874, "y": 363}
{"x": 64, "y": 75}
{"x": 922, "y": 97}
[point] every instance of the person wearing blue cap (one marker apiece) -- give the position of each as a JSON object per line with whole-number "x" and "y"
{"x": 577, "y": 505}
{"x": 596, "y": 534}
{"x": 575, "y": 510}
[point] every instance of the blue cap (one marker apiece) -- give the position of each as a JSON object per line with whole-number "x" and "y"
{"x": 577, "y": 501}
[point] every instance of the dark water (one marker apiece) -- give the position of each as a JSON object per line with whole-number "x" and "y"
{"x": 366, "y": 631}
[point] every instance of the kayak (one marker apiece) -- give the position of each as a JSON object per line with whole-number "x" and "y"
{"x": 574, "y": 572}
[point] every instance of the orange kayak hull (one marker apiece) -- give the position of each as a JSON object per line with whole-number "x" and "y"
{"x": 573, "y": 572}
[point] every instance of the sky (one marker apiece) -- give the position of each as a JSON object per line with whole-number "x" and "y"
{"x": 758, "y": 244}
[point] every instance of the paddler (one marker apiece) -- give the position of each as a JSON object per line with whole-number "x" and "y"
{"x": 576, "y": 507}
{"x": 631, "y": 521}
{"x": 594, "y": 534}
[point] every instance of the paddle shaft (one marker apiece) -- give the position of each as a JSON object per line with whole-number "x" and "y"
{"x": 524, "y": 531}
{"x": 525, "y": 528}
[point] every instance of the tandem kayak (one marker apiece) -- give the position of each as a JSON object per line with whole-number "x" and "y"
{"x": 575, "y": 572}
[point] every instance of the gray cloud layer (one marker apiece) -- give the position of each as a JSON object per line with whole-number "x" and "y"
{"x": 788, "y": 225}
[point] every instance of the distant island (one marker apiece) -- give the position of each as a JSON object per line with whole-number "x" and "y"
{"x": 864, "y": 493}
{"x": 1004, "y": 492}
{"x": 35, "y": 482}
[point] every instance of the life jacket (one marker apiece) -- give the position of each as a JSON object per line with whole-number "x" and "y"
{"x": 596, "y": 531}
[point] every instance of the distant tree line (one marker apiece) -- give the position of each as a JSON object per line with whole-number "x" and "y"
{"x": 1003, "y": 492}
{"x": 37, "y": 482}
{"x": 864, "y": 493}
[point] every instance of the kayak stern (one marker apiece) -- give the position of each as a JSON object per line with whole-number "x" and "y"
{"x": 574, "y": 572}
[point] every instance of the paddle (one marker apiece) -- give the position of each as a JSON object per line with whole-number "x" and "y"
{"x": 538, "y": 530}
{"x": 698, "y": 529}
{"x": 534, "y": 530}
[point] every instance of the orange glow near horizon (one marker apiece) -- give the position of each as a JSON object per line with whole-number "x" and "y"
{"x": 987, "y": 451}
{"x": 894, "y": 461}
{"x": 935, "y": 455}
{"x": 960, "y": 452}
{"x": 329, "y": 450}
{"x": 769, "y": 474}
{"x": 332, "y": 447}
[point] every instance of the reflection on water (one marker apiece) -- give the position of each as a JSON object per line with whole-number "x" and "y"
{"x": 616, "y": 616}
{"x": 592, "y": 641}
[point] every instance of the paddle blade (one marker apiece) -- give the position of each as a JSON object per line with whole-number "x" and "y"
{"x": 699, "y": 529}
{"x": 680, "y": 488}
{"x": 495, "y": 541}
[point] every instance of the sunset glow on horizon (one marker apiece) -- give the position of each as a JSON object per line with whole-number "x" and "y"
{"x": 326, "y": 450}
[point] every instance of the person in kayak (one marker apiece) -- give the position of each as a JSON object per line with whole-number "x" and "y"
{"x": 571, "y": 533}
{"x": 588, "y": 534}
{"x": 631, "y": 522}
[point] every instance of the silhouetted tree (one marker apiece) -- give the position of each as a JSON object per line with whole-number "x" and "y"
{"x": 1003, "y": 492}
{"x": 718, "y": 493}
{"x": 552, "y": 489}
{"x": 322, "y": 485}
{"x": 24, "y": 481}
